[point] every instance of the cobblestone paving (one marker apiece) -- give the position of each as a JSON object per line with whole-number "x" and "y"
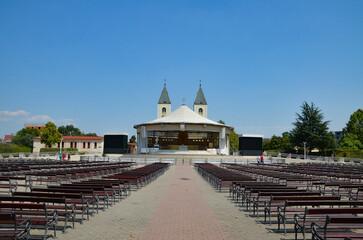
{"x": 184, "y": 213}
{"x": 236, "y": 222}
{"x": 178, "y": 205}
{"x": 126, "y": 219}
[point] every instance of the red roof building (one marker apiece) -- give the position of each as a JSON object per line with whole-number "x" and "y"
{"x": 89, "y": 144}
{"x": 7, "y": 138}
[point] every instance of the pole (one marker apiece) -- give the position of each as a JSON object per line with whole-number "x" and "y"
{"x": 61, "y": 145}
{"x": 304, "y": 150}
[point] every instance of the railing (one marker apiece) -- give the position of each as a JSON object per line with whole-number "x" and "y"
{"x": 139, "y": 160}
{"x": 313, "y": 157}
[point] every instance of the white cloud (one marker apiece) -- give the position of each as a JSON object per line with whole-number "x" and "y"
{"x": 39, "y": 119}
{"x": 67, "y": 121}
{"x": 24, "y": 117}
{"x": 9, "y": 114}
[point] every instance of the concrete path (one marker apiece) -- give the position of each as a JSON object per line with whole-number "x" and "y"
{"x": 178, "y": 205}
{"x": 184, "y": 212}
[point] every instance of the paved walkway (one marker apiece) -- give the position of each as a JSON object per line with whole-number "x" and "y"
{"x": 184, "y": 213}
{"x": 177, "y": 205}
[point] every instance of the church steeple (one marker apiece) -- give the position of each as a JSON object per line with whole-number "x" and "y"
{"x": 200, "y": 104}
{"x": 164, "y": 104}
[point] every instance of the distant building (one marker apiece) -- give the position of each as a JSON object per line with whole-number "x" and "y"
{"x": 34, "y": 126}
{"x": 132, "y": 148}
{"x": 89, "y": 144}
{"x": 7, "y": 138}
{"x": 337, "y": 135}
{"x": 183, "y": 130}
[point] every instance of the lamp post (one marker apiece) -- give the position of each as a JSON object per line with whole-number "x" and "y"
{"x": 304, "y": 150}
{"x": 61, "y": 145}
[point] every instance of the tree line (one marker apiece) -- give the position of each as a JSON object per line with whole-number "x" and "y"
{"x": 311, "y": 128}
{"x": 49, "y": 135}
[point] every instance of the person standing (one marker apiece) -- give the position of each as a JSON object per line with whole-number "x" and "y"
{"x": 261, "y": 159}
{"x": 60, "y": 156}
{"x": 64, "y": 156}
{"x": 69, "y": 157}
{"x": 258, "y": 159}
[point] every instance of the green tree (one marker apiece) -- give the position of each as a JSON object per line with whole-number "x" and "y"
{"x": 234, "y": 141}
{"x": 69, "y": 130}
{"x": 311, "y": 128}
{"x": 50, "y": 135}
{"x": 266, "y": 145}
{"x": 25, "y": 137}
{"x": 355, "y": 125}
{"x": 89, "y": 134}
{"x": 350, "y": 142}
{"x": 275, "y": 143}
{"x": 132, "y": 139}
{"x": 221, "y": 122}
{"x": 286, "y": 144}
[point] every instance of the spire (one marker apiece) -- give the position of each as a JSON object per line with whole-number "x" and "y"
{"x": 200, "y": 99}
{"x": 164, "y": 97}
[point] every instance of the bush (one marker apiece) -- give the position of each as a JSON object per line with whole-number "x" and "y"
{"x": 349, "y": 153}
{"x": 13, "y": 148}
{"x": 58, "y": 150}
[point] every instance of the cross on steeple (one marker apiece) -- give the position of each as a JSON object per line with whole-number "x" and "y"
{"x": 200, "y": 83}
{"x": 183, "y": 101}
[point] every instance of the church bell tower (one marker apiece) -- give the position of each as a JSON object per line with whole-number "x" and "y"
{"x": 164, "y": 104}
{"x": 200, "y": 104}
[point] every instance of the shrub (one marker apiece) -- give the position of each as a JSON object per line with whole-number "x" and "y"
{"x": 13, "y": 148}
{"x": 58, "y": 150}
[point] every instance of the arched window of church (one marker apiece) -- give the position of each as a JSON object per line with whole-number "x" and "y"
{"x": 200, "y": 111}
{"x": 163, "y": 112}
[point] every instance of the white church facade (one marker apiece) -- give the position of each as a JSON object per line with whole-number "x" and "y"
{"x": 183, "y": 130}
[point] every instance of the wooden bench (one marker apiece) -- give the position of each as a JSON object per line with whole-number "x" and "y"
{"x": 321, "y": 232}
{"x": 275, "y": 199}
{"x": 85, "y": 203}
{"x": 36, "y": 212}
{"x": 299, "y": 207}
{"x": 60, "y": 204}
{"x": 302, "y": 222}
{"x": 280, "y": 204}
{"x": 12, "y": 231}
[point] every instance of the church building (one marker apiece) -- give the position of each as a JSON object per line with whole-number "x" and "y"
{"x": 184, "y": 130}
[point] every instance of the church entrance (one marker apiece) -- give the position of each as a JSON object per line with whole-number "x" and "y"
{"x": 172, "y": 140}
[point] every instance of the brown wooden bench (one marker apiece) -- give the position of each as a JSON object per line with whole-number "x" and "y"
{"x": 38, "y": 214}
{"x": 302, "y": 222}
{"x": 60, "y": 204}
{"x": 11, "y": 227}
{"x": 321, "y": 232}
{"x": 299, "y": 207}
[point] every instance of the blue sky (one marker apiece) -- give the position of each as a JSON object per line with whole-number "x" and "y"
{"x": 101, "y": 65}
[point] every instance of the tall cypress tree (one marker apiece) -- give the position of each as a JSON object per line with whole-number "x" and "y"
{"x": 311, "y": 128}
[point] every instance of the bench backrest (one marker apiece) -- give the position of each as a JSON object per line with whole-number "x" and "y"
{"x": 330, "y": 219}
{"x": 7, "y": 216}
{"x": 304, "y": 198}
{"x": 334, "y": 210}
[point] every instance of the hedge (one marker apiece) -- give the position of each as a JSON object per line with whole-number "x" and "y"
{"x": 13, "y": 148}
{"x": 58, "y": 150}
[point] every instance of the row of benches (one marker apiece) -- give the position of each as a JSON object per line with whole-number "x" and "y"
{"x": 293, "y": 201}
{"x": 45, "y": 207}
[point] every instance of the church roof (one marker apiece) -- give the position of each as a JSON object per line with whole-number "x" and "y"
{"x": 164, "y": 97}
{"x": 200, "y": 99}
{"x": 183, "y": 115}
